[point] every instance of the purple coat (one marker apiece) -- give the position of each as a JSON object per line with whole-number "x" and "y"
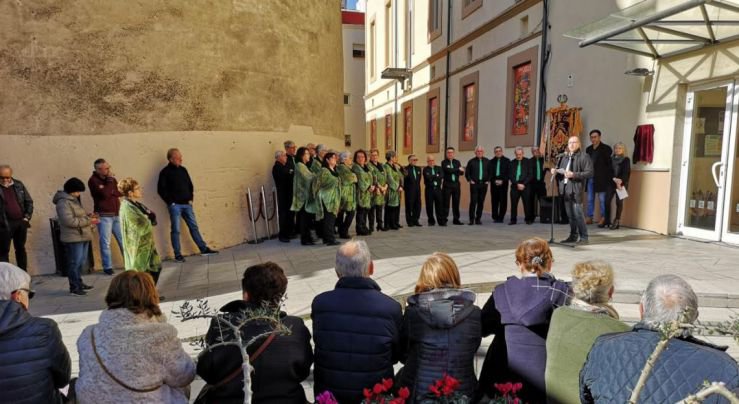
{"x": 518, "y": 313}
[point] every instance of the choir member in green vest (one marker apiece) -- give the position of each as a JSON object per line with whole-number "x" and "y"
{"x": 379, "y": 178}
{"x": 537, "y": 186}
{"x": 317, "y": 162}
{"x": 395, "y": 188}
{"x": 365, "y": 188}
{"x": 329, "y": 198}
{"x": 348, "y": 194}
{"x": 304, "y": 204}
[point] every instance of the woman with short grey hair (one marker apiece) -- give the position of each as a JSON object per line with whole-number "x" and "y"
{"x": 574, "y": 328}
{"x": 347, "y": 194}
{"x": 395, "y": 188}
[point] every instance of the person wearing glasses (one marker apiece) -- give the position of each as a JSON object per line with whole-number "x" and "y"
{"x": 35, "y": 362}
{"x": 16, "y": 209}
{"x": 412, "y": 187}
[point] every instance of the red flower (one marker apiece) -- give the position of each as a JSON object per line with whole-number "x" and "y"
{"x": 516, "y": 400}
{"x": 404, "y": 393}
{"x": 517, "y": 387}
{"x": 503, "y": 388}
{"x": 378, "y": 388}
{"x": 434, "y": 389}
{"x": 451, "y": 382}
{"x": 397, "y": 401}
{"x": 387, "y": 384}
{"x": 367, "y": 393}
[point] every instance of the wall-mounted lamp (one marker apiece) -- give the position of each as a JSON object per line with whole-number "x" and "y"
{"x": 640, "y": 72}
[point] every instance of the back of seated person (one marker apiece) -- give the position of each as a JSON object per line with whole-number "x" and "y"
{"x": 356, "y": 329}
{"x": 284, "y": 361}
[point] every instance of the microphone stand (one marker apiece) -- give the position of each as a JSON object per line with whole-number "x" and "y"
{"x": 555, "y": 193}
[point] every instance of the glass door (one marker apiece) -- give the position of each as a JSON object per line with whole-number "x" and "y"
{"x": 730, "y": 231}
{"x": 708, "y": 123}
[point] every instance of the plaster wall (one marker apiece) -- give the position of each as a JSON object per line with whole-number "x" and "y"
{"x": 354, "y": 116}
{"x": 226, "y": 82}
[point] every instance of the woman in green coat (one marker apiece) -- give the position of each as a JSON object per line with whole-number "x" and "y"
{"x": 329, "y": 199}
{"x": 365, "y": 188}
{"x": 303, "y": 201}
{"x": 137, "y": 226}
{"x": 394, "y": 189}
{"x": 379, "y": 179}
{"x": 348, "y": 194}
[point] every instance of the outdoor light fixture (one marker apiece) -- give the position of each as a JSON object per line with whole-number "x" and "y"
{"x": 398, "y": 73}
{"x": 640, "y": 71}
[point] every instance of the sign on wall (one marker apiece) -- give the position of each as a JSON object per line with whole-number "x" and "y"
{"x": 521, "y": 98}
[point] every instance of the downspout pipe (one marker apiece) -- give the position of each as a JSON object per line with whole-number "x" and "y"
{"x": 446, "y": 75}
{"x": 544, "y": 58}
{"x": 395, "y": 86}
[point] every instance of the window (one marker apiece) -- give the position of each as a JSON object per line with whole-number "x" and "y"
{"x": 524, "y": 25}
{"x": 388, "y": 32}
{"x": 358, "y": 51}
{"x": 434, "y": 19}
{"x": 373, "y": 46}
{"x": 432, "y": 121}
{"x": 346, "y": 99}
{"x": 347, "y": 140}
{"x": 468, "y": 112}
{"x": 469, "y": 7}
{"x": 408, "y": 127}
{"x": 469, "y": 54}
{"x": 432, "y": 72}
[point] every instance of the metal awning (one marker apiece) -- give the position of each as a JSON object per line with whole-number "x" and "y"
{"x": 663, "y": 28}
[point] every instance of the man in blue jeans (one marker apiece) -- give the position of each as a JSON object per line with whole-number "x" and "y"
{"x": 176, "y": 189}
{"x": 104, "y": 191}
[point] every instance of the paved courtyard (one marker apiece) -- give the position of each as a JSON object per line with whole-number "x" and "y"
{"x": 485, "y": 255}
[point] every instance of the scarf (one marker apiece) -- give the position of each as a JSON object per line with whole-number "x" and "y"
{"x": 600, "y": 308}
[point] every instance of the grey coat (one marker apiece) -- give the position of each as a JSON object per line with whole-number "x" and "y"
{"x": 582, "y": 167}
{"x": 74, "y": 224}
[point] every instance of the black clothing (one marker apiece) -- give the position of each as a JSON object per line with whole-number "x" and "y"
{"x": 344, "y": 222}
{"x": 602, "y": 167}
{"x": 432, "y": 177}
{"x": 582, "y": 168}
{"x": 440, "y": 335}
{"x": 392, "y": 217}
{"x": 450, "y": 187}
{"x": 356, "y": 330}
{"x": 452, "y": 171}
{"x": 499, "y": 171}
{"x": 16, "y": 232}
{"x": 278, "y": 371}
{"x": 477, "y": 174}
{"x": 412, "y": 190}
{"x": 520, "y": 174}
{"x": 34, "y": 363}
{"x": 283, "y": 176}
{"x": 305, "y": 220}
{"x": 328, "y": 225}
{"x": 175, "y": 185}
{"x": 622, "y": 171}
{"x": 376, "y": 213}
{"x": 361, "y": 221}
{"x": 23, "y": 199}
{"x": 537, "y": 187}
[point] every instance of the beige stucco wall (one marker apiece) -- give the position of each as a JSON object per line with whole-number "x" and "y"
{"x": 354, "y": 85}
{"x": 226, "y": 82}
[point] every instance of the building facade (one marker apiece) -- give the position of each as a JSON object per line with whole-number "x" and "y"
{"x": 353, "y": 45}
{"x": 480, "y": 70}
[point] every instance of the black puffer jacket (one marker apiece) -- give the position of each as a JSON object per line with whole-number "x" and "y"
{"x": 34, "y": 363}
{"x": 356, "y": 329}
{"x": 440, "y": 335}
{"x": 278, "y": 371}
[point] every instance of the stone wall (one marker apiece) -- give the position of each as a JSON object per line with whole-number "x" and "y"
{"x": 225, "y": 81}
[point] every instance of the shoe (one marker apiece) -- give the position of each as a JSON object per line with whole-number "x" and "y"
{"x": 86, "y": 287}
{"x": 529, "y": 221}
{"x": 394, "y": 228}
{"x": 332, "y": 243}
{"x": 208, "y": 251}
{"x": 311, "y": 242}
{"x": 442, "y": 224}
{"x": 457, "y": 222}
{"x": 78, "y": 292}
{"x": 571, "y": 239}
{"x": 471, "y": 223}
{"x": 432, "y": 224}
{"x": 583, "y": 241}
{"x": 179, "y": 258}
{"x": 616, "y": 225}
{"x": 108, "y": 272}
{"x": 603, "y": 225}
{"x": 398, "y": 226}
{"x": 419, "y": 225}
{"x": 498, "y": 221}
{"x": 511, "y": 223}
{"x": 284, "y": 240}
{"x": 602, "y": 221}
{"x": 344, "y": 236}
{"x": 588, "y": 220}
{"x": 478, "y": 221}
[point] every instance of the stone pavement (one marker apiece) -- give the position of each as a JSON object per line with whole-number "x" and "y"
{"x": 484, "y": 254}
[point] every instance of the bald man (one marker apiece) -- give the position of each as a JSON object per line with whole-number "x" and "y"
{"x": 573, "y": 172}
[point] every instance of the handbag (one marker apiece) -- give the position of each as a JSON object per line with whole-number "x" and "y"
{"x": 203, "y": 395}
{"x": 115, "y": 379}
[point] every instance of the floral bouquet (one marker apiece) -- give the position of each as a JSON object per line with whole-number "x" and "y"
{"x": 444, "y": 391}
{"x": 380, "y": 394}
{"x": 507, "y": 393}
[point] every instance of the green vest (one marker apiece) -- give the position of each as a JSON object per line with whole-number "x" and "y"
{"x": 302, "y": 195}
{"x": 348, "y": 181}
{"x": 364, "y": 182}
{"x": 394, "y": 179}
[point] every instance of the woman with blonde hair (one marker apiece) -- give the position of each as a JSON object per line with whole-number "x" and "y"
{"x": 574, "y": 329}
{"x": 441, "y": 331}
{"x": 137, "y": 226}
{"x": 132, "y": 355}
{"x": 621, "y": 174}
{"x": 518, "y": 313}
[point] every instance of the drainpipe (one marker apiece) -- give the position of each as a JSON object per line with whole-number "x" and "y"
{"x": 446, "y": 78}
{"x": 542, "y": 76}
{"x": 395, "y": 86}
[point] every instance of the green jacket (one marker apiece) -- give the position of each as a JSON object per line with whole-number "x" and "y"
{"x": 394, "y": 180}
{"x": 380, "y": 179}
{"x": 302, "y": 195}
{"x": 572, "y": 333}
{"x": 327, "y": 193}
{"x": 315, "y": 166}
{"x": 139, "y": 252}
{"x": 364, "y": 182}
{"x": 348, "y": 184}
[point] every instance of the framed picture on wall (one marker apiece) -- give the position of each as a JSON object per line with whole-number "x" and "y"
{"x": 432, "y": 121}
{"x": 388, "y": 132}
{"x": 521, "y": 98}
{"x": 373, "y": 134}
{"x": 408, "y": 127}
